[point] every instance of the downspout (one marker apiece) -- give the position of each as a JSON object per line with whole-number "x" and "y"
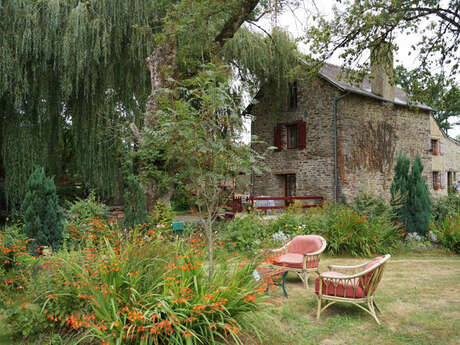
{"x": 336, "y": 173}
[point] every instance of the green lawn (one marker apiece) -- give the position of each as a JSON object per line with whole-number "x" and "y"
{"x": 419, "y": 296}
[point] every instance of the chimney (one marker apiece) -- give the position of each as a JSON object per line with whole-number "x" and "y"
{"x": 382, "y": 78}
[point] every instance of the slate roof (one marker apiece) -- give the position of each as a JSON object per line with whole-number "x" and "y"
{"x": 331, "y": 73}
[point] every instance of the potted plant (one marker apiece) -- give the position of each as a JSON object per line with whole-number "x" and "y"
{"x": 435, "y": 152}
{"x": 437, "y": 186}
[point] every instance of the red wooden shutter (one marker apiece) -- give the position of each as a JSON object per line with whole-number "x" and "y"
{"x": 277, "y": 138}
{"x": 302, "y": 135}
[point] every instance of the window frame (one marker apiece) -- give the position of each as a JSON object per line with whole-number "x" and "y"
{"x": 295, "y": 128}
{"x": 436, "y": 179}
{"x": 435, "y": 146}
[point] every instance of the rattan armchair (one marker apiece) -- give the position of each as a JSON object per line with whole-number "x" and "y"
{"x": 355, "y": 285}
{"x": 301, "y": 255}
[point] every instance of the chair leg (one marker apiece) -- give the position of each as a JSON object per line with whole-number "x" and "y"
{"x": 370, "y": 305}
{"x": 306, "y": 279}
{"x": 376, "y": 306}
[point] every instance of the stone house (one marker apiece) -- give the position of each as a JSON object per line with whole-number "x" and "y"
{"x": 335, "y": 140}
{"x": 445, "y": 160}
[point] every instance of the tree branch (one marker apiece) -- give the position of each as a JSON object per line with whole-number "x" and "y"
{"x": 235, "y": 21}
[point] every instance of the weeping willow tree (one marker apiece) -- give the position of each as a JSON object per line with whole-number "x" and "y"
{"x": 71, "y": 73}
{"x": 74, "y": 74}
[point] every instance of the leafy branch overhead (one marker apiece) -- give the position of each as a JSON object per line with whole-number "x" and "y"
{"x": 358, "y": 25}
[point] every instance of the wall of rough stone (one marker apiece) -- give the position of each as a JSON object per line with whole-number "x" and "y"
{"x": 371, "y": 134}
{"x": 314, "y": 165}
{"x": 448, "y": 160}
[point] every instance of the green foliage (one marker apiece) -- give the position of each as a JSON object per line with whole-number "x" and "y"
{"x": 69, "y": 73}
{"x": 13, "y": 249}
{"x": 135, "y": 203}
{"x": 244, "y": 233}
{"x": 362, "y": 229}
{"x": 161, "y": 213}
{"x": 448, "y": 232}
{"x": 264, "y": 61}
{"x": 400, "y": 189}
{"x": 41, "y": 211}
{"x": 82, "y": 210}
{"x": 350, "y": 233}
{"x": 180, "y": 200}
{"x": 411, "y": 191}
{"x": 418, "y": 201}
{"x": 371, "y": 206}
{"x": 437, "y": 91}
{"x": 448, "y": 206}
{"x": 198, "y": 135}
{"x": 143, "y": 290}
{"x": 358, "y": 25}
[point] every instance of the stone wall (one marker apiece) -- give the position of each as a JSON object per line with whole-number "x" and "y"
{"x": 447, "y": 161}
{"x": 314, "y": 165}
{"x": 371, "y": 134}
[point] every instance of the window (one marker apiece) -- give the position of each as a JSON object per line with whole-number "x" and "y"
{"x": 436, "y": 180}
{"x": 293, "y": 95}
{"x": 435, "y": 146}
{"x": 292, "y": 137}
{"x": 296, "y": 137}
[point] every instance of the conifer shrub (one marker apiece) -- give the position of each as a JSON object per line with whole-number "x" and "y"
{"x": 411, "y": 192}
{"x": 400, "y": 189}
{"x": 41, "y": 211}
{"x": 418, "y": 201}
{"x": 162, "y": 214}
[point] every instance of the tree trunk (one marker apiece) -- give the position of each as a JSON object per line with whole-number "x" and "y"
{"x": 162, "y": 64}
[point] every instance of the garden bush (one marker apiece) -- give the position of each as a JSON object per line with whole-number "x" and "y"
{"x": 448, "y": 206}
{"x": 161, "y": 214}
{"x": 82, "y": 210}
{"x": 244, "y": 233}
{"x": 350, "y": 233}
{"x": 143, "y": 291}
{"x": 448, "y": 232}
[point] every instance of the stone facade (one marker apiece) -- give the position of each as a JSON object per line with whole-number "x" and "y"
{"x": 445, "y": 156}
{"x": 371, "y": 133}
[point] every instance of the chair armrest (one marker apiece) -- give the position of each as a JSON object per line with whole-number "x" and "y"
{"x": 344, "y": 268}
{"x": 343, "y": 277}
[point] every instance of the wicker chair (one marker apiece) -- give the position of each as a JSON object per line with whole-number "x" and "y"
{"x": 301, "y": 255}
{"x": 351, "y": 287}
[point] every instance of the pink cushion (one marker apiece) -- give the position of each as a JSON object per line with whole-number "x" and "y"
{"x": 294, "y": 260}
{"x": 305, "y": 244}
{"x": 337, "y": 288}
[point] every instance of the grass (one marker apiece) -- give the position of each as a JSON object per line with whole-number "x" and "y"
{"x": 419, "y": 297}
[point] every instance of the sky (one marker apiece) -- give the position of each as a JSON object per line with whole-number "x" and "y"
{"x": 296, "y": 20}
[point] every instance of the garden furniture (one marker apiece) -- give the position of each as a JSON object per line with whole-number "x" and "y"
{"x": 301, "y": 255}
{"x": 272, "y": 276}
{"x": 351, "y": 284}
